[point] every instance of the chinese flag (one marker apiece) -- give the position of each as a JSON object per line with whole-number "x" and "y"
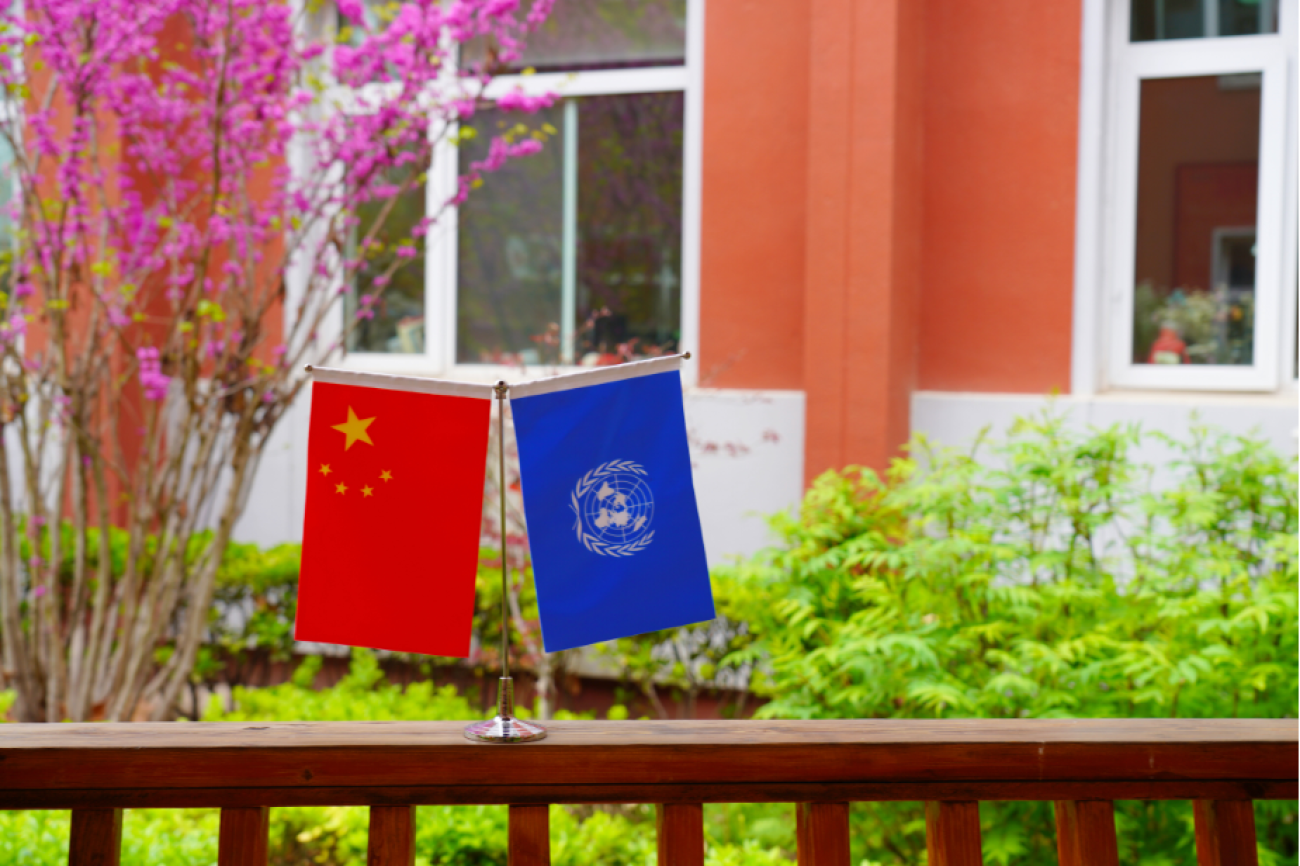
{"x": 393, "y": 511}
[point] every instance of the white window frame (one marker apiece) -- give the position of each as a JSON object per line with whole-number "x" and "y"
{"x": 1113, "y": 69}
{"x": 440, "y": 289}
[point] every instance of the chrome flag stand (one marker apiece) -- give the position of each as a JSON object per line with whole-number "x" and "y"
{"x": 505, "y": 727}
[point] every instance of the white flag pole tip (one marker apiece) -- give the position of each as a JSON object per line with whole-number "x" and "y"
{"x": 599, "y": 376}
{"x": 414, "y": 384}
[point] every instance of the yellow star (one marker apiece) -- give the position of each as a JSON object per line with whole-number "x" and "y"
{"x": 340, "y": 488}
{"x": 355, "y": 429}
{"x": 385, "y": 476}
{"x": 366, "y": 491}
{"x": 325, "y": 469}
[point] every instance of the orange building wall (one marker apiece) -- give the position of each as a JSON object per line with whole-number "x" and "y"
{"x": 752, "y": 235}
{"x": 865, "y": 164}
{"x": 1001, "y": 144}
{"x": 888, "y": 205}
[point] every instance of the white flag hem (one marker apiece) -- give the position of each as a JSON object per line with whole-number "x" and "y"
{"x": 600, "y": 376}
{"x": 414, "y": 384}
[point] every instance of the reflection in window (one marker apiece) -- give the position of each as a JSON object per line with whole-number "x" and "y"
{"x": 600, "y": 34}
{"x": 392, "y": 319}
{"x": 1196, "y": 19}
{"x": 509, "y": 248}
{"x": 629, "y": 223}
{"x": 1198, "y": 168}
{"x": 574, "y": 255}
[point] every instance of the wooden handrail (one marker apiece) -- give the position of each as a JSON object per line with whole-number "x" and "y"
{"x": 244, "y": 767}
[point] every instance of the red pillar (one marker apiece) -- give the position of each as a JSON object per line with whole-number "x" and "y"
{"x": 864, "y": 228}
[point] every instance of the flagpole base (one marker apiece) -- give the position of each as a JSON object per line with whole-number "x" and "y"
{"x": 505, "y": 727}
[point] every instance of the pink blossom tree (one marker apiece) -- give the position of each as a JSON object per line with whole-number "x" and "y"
{"x": 190, "y": 181}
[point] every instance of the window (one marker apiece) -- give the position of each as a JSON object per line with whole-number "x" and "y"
{"x": 1199, "y": 201}
{"x": 579, "y": 255}
{"x": 1196, "y": 19}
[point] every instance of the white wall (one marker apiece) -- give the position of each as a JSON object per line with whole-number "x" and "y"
{"x": 748, "y": 458}
{"x": 957, "y": 418}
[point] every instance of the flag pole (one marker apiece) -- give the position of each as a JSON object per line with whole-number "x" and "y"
{"x": 501, "y": 391}
{"x": 505, "y": 727}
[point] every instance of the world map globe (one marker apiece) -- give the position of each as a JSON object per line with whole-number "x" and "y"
{"x": 618, "y": 508}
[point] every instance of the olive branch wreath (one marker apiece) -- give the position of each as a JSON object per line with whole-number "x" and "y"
{"x": 585, "y": 483}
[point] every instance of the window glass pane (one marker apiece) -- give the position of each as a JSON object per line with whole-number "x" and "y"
{"x": 619, "y": 160}
{"x": 601, "y": 34}
{"x": 1195, "y": 19}
{"x": 394, "y": 320}
{"x": 629, "y": 224}
{"x": 1198, "y": 169}
{"x": 509, "y": 249}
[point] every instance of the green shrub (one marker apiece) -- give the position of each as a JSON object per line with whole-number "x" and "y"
{"x": 362, "y": 695}
{"x": 1045, "y": 576}
{"x": 1049, "y": 577}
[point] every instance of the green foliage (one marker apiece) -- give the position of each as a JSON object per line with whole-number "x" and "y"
{"x": 1048, "y": 578}
{"x": 150, "y": 837}
{"x": 1052, "y": 575}
{"x": 362, "y": 695}
{"x": 262, "y": 584}
{"x": 684, "y": 662}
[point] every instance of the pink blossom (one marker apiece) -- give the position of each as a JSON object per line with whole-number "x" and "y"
{"x": 517, "y": 100}
{"x": 353, "y": 10}
{"x": 154, "y": 382}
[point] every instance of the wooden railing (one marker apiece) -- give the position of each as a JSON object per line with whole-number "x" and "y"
{"x": 1083, "y": 765}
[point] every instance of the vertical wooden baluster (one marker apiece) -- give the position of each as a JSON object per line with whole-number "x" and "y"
{"x": 241, "y": 840}
{"x": 96, "y": 838}
{"x": 952, "y": 833}
{"x": 392, "y": 836}
{"x": 1225, "y": 833}
{"x": 823, "y": 834}
{"x": 530, "y": 836}
{"x": 1085, "y": 833}
{"x": 681, "y": 834}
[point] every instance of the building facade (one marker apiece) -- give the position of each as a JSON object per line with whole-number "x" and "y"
{"x": 872, "y": 217}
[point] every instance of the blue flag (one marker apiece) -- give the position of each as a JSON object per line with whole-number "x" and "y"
{"x": 612, "y": 521}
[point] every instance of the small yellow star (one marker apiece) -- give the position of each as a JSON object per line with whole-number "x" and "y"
{"x": 354, "y": 429}
{"x": 385, "y": 475}
{"x": 325, "y": 469}
{"x": 340, "y": 488}
{"x": 367, "y": 490}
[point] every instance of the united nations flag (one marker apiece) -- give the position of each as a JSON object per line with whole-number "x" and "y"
{"x": 612, "y": 522}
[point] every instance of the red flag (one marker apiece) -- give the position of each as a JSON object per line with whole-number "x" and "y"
{"x": 394, "y": 507}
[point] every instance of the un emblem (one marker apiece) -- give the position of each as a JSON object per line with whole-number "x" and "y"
{"x": 613, "y": 509}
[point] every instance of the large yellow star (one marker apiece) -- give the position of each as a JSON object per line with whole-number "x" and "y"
{"x": 355, "y": 429}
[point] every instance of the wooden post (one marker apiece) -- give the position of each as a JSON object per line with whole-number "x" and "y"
{"x": 823, "y": 834}
{"x": 680, "y": 830}
{"x": 1085, "y": 833}
{"x": 241, "y": 841}
{"x": 392, "y": 836}
{"x": 96, "y": 838}
{"x": 530, "y": 836}
{"x": 952, "y": 833}
{"x": 1225, "y": 833}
